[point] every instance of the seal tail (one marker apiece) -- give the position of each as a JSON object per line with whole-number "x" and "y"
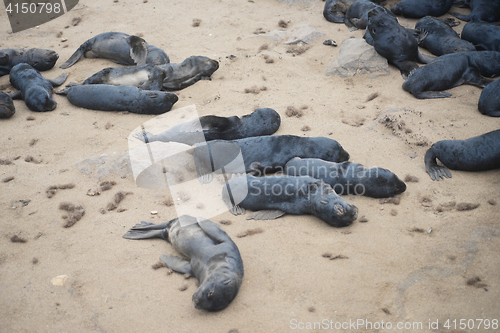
{"x": 75, "y": 57}
{"x": 146, "y": 230}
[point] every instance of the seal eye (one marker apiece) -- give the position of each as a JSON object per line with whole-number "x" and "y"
{"x": 372, "y": 31}
{"x": 324, "y": 202}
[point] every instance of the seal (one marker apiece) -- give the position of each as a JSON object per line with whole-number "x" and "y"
{"x": 261, "y": 122}
{"x": 334, "y": 10}
{"x": 119, "y": 98}
{"x": 481, "y": 10}
{"x": 347, "y": 178}
{"x": 394, "y": 42}
{"x": 452, "y": 70}
{"x": 475, "y": 154}
{"x": 39, "y": 59}
{"x": 421, "y": 8}
{"x": 272, "y": 197}
{"x": 262, "y": 154}
{"x": 169, "y": 77}
{"x": 212, "y": 257}
{"x": 356, "y": 16}
{"x": 489, "y": 101}
{"x": 7, "y": 108}
{"x": 121, "y": 48}
{"x": 190, "y": 71}
{"x": 437, "y": 36}
{"x": 33, "y": 88}
{"x": 484, "y": 36}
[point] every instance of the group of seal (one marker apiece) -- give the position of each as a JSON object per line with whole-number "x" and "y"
{"x": 475, "y": 154}
{"x": 264, "y": 121}
{"x": 212, "y": 257}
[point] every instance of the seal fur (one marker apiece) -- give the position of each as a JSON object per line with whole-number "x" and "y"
{"x": 39, "y": 59}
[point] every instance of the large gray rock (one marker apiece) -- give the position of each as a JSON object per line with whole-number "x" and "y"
{"x": 357, "y": 56}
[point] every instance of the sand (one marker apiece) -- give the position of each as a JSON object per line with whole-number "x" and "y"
{"x": 419, "y": 261}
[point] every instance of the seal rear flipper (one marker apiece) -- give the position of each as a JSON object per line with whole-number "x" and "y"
{"x": 145, "y": 230}
{"x": 237, "y": 210}
{"x": 75, "y": 57}
{"x": 16, "y": 95}
{"x": 203, "y": 171}
{"x": 460, "y": 16}
{"x": 58, "y": 80}
{"x": 214, "y": 231}
{"x": 431, "y": 94}
{"x": 138, "y": 49}
{"x": 177, "y": 264}
{"x": 266, "y": 215}
{"x": 424, "y": 59}
{"x": 435, "y": 171}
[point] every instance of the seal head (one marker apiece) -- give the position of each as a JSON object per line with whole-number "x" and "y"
{"x": 329, "y": 207}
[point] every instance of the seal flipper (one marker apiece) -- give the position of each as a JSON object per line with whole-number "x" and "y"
{"x": 76, "y": 56}
{"x": 138, "y": 49}
{"x": 423, "y": 58}
{"x": 460, "y": 16}
{"x": 435, "y": 171}
{"x": 58, "y": 80}
{"x": 214, "y": 231}
{"x": 16, "y": 95}
{"x": 145, "y": 230}
{"x": 203, "y": 171}
{"x": 266, "y": 215}
{"x": 177, "y": 264}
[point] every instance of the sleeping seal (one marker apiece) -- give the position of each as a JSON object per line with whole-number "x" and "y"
{"x": 481, "y": 10}
{"x": 121, "y": 48}
{"x": 39, "y": 59}
{"x": 347, "y": 178}
{"x": 484, "y": 36}
{"x": 34, "y": 89}
{"x": 157, "y": 77}
{"x": 356, "y": 16}
{"x": 489, "y": 101}
{"x": 260, "y": 122}
{"x": 212, "y": 257}
{"x": 475, "y": 154}
{"x": 394, "y": 42}
{"x": 262, "y": 154}
{"x": 439, "y": 38}
{"x": 452, "y": 70}
{"x": 421, "y": 8}
{"x": 119, "y": 98}
{"x": 7, "y": 108}
{"x": 272, "y": 197}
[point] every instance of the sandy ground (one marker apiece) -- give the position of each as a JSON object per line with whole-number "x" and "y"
{"x": 409, "y": 263}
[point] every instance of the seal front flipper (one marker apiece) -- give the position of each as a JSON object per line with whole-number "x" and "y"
{"x": 266, "y": 215}
{"x": 435, "y": 171}
{"x": 138, "y": 49}
{"x": 145, "y": 230}
{"x": 177, "y": 264}
{"x": 58, "y": 80}
{"x": 214, "y": 231}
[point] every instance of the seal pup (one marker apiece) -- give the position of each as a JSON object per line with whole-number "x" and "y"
{"x": 489, "y": 101}
{"x": 452, "y": 70}
{"x": 347, "y": 178}
{"x": 356, "y": 16}
{"x": 262, "y": 154}
{"x": 263, "y": 121}
{"x": 481, "y": 10}
{"x": 39, "y": 59}
{"x": 190, "y": 71}
{"x": 121, "y": 48}
{"x": 33, "y": 88}
{"x": 421, "y": 8}
{"x": 7, "y": 108}
{"x": 475, "y": 154}
{"x": 484, "y": 36}
{"x": 212, "y": 257}
{"x": 437, "y": 36}
{"x": 273, "y": 197}
{"x": 334, "y": 10}
{"x": 104, "y": 97}
{"x": 394, "y": 42}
